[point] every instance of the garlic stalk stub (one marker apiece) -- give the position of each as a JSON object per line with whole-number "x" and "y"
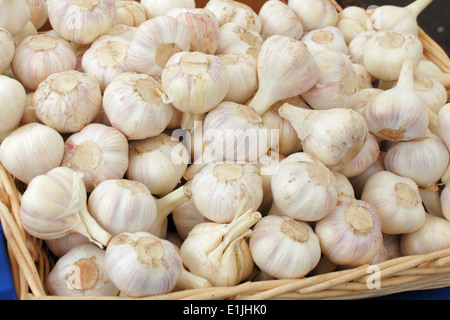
{"x": 284, "y": 247}
{"x": 141, "y": 264}
{"x": 14, "y": 99}
{"x": 81, "y": 273}
{"x": 286, "y": 69}
{"x": 54, "y": 205}
{"x": 333, "y": 136}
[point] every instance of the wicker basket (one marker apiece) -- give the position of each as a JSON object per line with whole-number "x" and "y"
{"x": 31, "y": 260}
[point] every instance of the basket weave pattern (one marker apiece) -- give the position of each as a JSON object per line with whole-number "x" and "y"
{"x": 31, "y": 262}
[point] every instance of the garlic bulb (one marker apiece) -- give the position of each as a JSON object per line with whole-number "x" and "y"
{"x": 141, "y": 264}
{"x": 356, "y": 46}
{"x": 444, "y": 201}
{"x": 7, "y": 47}
{"x": 219, "y": 188}
{"x": 234, "y": 11}
{"x": 398, "y": 114}
{"x": 235, "y": 38}
{"x": 13, "y": 97}
{"x": 67, "y": 101}
{"x": 107, "y": 58}
{"x": 31, "y": 150}
{"x": 130, "y": 13}
{"x": 398, "y": 19}
{"x": 88, "y": 19}
{"x": 286, "y": 69}
{"x": 284, "y": 247}
{"x": 278, "y": 18}
{"x": 397, "y": 201}
{"x": 242, "y": 75}
{"x": 81, "y": 273}
{"x": 99, "y": 152}
{"x": 333, "y": 136}
{"x": 155, "y": 8}
{"x": 38, "y": 12}
{"x": 337, "y": 85}
{"x": 315, "y": 14}
{"x": 351, "y": 233}
{"x": 392, "y": 244}
{"x": 431, "y": 91}
{"x": 61, "y": 246}
{"x": 327, "y": 38}
{"x": 29, "y": 114}
{"x": 54, "y": 205}
{"x": 28, "y": 30}
{"x": 158, "y": 162}
{"x": 429, "y": 69}
{"x": 413, "y": 158}
{"x": 386, "y": 51}
{"x": 364, "y": 97}
{"x": 122, "y": 30}
{"x": 432, "y": 236}
{"x": 196, "y": 83}
{"x": 155, "y": 41}
{"x": 360, "y": 180}
{"x": 39, "y": 56}
{"x": 219, "y": 252}
{"x": 136, "y": 104}
{"x": 365, "y": 158}
{"x": 443, "y": 123}
{"x": 364, "y": 77}
{"x": 14, "y": 15}
{"x": 352, "y": 21}
{"x": 203, "y": 27}
{"x": 300, "y": 179}
{"x": 343, "y": 185}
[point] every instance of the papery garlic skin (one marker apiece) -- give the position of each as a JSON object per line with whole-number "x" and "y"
{"x": 14, "y": 15}
{"x": 304, "y": 188}
{"x": 141, "y": 264}
{"x": 352, "y": 21}
{"x": 161, "y": 7}
{"x": 235, "y": 38}
{"x": 284, "y": 247}
{"x": 219, "y": 188}
{"x": 234, "y": 11}
{"x": 130, "y": 13}
{"x": 137, "y": 105}
{"x": 432, "y": 236}
{"x": 99, "y": 152}
{"x": 39, "y": 56}
{"x": 351, "y": 233}
{"x": 397, "y": 200}
{"x": 7, "y": 47}
{"x": 155, "y": 41}
{"x": 158, "y": 162}
{"x": 31, "y": 150}
{"x": 38, "y": 12}
{"x": 314, "y": 14}
{"x": 68, "y": 101}
{"x": 88, "y": 19}
{"x": 81, "y": 273}
{"x": 278, "y": 18}
{"x": 13, "y": 97}
{"x": 327, "y": 38}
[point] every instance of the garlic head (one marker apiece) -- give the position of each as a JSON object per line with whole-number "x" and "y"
{"x": 14, "y": 99}
{"x": 8, "y": 48}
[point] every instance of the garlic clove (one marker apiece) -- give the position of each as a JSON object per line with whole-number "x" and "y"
{"x": 315, "y": 14}
{"x": 284, "y": 247}
{"x": 278, "y": 18}
{"x": 7, "y": 47}
{"x": 31, "y": 150}
{"x": 14, "y": 99}
{"x": 352, "y": 21}
{"x": 327, "y": 38}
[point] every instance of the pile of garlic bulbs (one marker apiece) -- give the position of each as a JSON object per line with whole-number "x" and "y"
{"x": 164, "y": 146}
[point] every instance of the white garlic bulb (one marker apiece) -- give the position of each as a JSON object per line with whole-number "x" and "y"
{"x": 13, "y": 97}
{"x": 89, "y": 19}
{"x": 360, "y": 180}
{"x": 61, "y": 246}
{"x": 352, "y": 21}
{"x": 7, "y": 47}
{"x": 195, "y": 82}
{"x": 314, "y": 14}
{"x": 155, "y": 41}
{"x": 398, "y": 114}
{"x": 343, "y": 185}
{"x": 219, "y": 252}
{"x": 219, "y": 188}
{"x": 303, "y": 188}
{"x": 39, "y": 56}
{"x": 28, "y": 30}
{"x": 444, "y": 201}
{"x": 432, "y": 236}
{"x": 278, "y": 18}
{"x": 38, "y": 12}
{"x": 351, "y": 233}
{"x": 141, "y": 264}
{"x": 443, "y": 123}
{"x": 106, "y": 58}
{"x": 158, "y": 162}
{"x": 327, "y": 38}
{"x": 431, "y": 91}
{"x": 54, "y": 205}
{"x": 155, "y": 8}
{"x": 99, "y": 152}
{"x": 333, "y": 136}
{"x": 284, "y": 247}
{"x": 122, "y": 30}
{"x": 286, "y": 69}
{"x": 337, "y": 85}
{"x": 31, "y": 150}
{"x": 81, "y": 273}
{"x": 14, "y": 15}
{"x": 364, "y": 97}
{"x": 130, "y": 13}
{"x": 67, "y": 101}
{"x": 235, "y": 38}
{"x": 356, "y": 46}
{"x": 397, "y": 200}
